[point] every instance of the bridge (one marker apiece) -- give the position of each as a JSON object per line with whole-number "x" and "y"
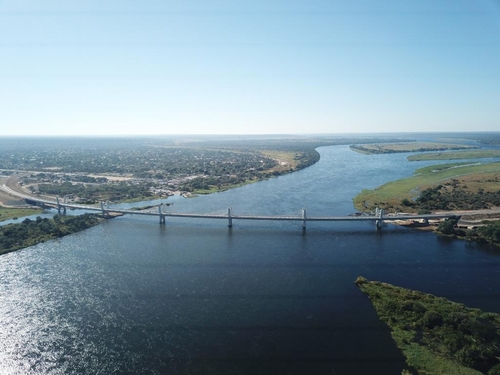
{"x": 378, "y": 218}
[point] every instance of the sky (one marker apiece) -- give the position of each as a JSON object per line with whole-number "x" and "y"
{"x": 120, "y": 67}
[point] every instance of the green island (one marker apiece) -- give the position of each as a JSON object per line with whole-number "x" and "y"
{"x": 31, "y": 232}
{"x": 437, "y": 336}
{"x": 391, "y": 148}
{"x": 460, "y": 186}
{"x": 472, "y": 154}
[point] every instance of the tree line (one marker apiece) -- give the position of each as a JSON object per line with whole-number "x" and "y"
{"x": 488, "y": 231}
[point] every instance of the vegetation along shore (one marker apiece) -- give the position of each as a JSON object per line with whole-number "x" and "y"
{"x": 452, "y": 186}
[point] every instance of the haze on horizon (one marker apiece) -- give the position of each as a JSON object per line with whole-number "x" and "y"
{"x": 124, "y": 67}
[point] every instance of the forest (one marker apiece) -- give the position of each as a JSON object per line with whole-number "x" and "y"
{"x": 451, "y": 196}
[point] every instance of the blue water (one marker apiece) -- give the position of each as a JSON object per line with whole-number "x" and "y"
{"x": 194, "y": 297}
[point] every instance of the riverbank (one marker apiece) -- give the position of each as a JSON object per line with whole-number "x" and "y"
{"x": 400, "y": 195}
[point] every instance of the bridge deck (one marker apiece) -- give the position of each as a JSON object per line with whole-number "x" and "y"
{"x": 162, "y": 214}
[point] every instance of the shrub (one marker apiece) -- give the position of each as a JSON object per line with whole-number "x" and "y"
{"x": 447, "y": 226}
{"x": 432, "y": 319}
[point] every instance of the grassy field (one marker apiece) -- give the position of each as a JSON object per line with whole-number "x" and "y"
{"x": 470, "y": 154}
{"x": 390, "y": 148}
{"x": 390, "y": 195}
{"x": 214, "y": 189}
{"x": 286, "y": 159}
{"x": 11, "y": 213}
{"x": 437, "y": 336}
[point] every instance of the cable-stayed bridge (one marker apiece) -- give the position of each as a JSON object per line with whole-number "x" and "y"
{"x": 160, "y": 211}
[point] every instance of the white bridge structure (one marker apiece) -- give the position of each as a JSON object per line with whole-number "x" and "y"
{"x": 378, "y": 218}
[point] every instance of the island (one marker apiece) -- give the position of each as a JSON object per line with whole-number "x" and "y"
{"x": 458, "y": 155}
{"x": 437, "y": 336}
{"x": 31, "y": 232}
{"x": 392, "y": 148}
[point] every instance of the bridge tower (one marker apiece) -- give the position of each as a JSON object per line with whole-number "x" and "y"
{"x": 229, "y": 218}
{"x": 59, "y": 206}
{"x": 379, "y": 222}
{"x": 162, "y": 217}
{"x": 103, "y": 210}
{"x": 304, "y": 219}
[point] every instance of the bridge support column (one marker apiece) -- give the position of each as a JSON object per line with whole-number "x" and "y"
{"x": 229, "y": 218}
{"x": 304, "y": 218}
{"x": 162, "y": 217}
{"x": 107, "y": 204}
{"x": 102, "y": 209}
{"x": 380, "y": 221}
{"x": 58, "y": 205}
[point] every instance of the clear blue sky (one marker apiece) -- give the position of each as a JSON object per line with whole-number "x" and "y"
{"x": 308, "y": 66}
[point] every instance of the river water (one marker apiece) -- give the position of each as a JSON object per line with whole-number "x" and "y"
{"x": 194, "y": 297}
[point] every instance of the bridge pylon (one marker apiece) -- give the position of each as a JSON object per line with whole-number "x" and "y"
{"x": 379, "y": 222}
{"x": 162, "y": 217}
{"x": 103, "y": 210}
{"x": 304, "y": 218}
{"x": 229, "y": 218}
{"x": 59, "y": 206}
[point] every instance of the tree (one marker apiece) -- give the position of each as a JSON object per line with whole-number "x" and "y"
{"x": 447, "y": 226}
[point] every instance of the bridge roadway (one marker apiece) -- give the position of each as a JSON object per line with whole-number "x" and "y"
{"x": 378, "y": 218}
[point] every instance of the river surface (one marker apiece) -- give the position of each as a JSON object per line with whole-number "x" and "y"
{"x": 194, "y": 297}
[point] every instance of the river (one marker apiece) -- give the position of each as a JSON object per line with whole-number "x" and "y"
{"x": 194, "y": 297}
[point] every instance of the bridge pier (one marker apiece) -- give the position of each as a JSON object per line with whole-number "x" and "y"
{"x": 380, "y": 222}
{"x": 304, "y": 219}
{"x": 229, "y": 218}
{"x": 103, "y": 210}
{"x": 59, "y": 206}
{"x": 162, "y": 217}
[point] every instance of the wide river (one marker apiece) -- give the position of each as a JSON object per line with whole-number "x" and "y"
{"x": 194, "y": 297}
